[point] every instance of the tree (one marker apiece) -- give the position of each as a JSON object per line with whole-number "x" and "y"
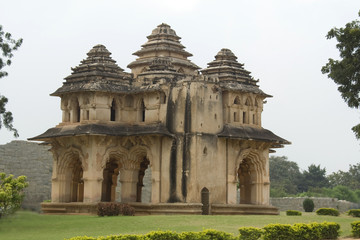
{"x": 11, "y": 193}
{"x": 346, "y": 72}
{"x": 7, "y": 46}
{"x": 351, "y": 179}
{"x": 284, "y": 176}
{"x": 314, "y": 177}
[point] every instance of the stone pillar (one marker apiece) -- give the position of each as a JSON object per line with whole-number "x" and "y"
{"x": 128, "y": 179}
{"x": 92, "y": 189}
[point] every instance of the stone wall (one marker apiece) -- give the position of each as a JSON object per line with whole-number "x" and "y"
{"x": 295, "y": 203}
{"x": 35, "y": 162}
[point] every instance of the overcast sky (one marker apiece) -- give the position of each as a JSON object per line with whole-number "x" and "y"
{"x": 281, "y": 42}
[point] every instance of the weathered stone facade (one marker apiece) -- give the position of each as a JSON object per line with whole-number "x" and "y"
{"x": 35, "y": 162}
{"x": 199, "y": 131}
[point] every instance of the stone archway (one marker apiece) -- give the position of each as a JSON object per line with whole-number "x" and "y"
{"x": 143, "y": 166}
{"x": 246, "y": 175}
{"x": 70, "y": 184}
{"x": 110, "y": 176}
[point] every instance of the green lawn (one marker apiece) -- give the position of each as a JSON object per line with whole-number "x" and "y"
{"x": 29, "y": 225}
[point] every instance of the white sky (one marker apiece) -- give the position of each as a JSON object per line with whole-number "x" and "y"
{"x": 281, "y": 42}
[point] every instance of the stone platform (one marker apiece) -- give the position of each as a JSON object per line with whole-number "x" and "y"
{"x": 163, "y": 209}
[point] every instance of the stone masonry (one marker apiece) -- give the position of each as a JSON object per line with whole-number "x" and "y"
{"x": 35, "y": 162}
{"x": 296, "y": 203}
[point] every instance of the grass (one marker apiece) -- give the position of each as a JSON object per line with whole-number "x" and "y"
{"x": 33, "y": 226}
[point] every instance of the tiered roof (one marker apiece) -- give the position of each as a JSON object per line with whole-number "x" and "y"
{"x": 231, "y": 73}
{"x": 163, "y": 42}
{"x": 98, "y": 72}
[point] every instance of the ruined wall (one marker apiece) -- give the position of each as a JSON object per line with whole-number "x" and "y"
{"x": 295, "y": 203}
{"x": 35, "y": 162}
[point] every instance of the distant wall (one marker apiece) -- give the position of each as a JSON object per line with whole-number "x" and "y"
{"x": 296, "y": 203}
{"x": 35, "y": 162}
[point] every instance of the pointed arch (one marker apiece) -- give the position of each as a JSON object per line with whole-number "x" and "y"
{"x": 237, "y": 100}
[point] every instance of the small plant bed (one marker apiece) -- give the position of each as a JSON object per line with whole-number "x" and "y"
{"x": 328, "y": 212}
{"x": 293, "y": 213}
{"x": 354, "y": 212}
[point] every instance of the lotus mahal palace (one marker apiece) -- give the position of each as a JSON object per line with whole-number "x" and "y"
{"x": 196, "y": 134}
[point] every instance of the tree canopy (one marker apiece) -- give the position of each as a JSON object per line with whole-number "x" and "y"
{"x": 7, "y": 46}
{"x": 346, "y": 71}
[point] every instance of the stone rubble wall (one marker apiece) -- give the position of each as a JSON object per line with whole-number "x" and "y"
{"x": 35, "y": 162}
{"x": 296, "y": 203}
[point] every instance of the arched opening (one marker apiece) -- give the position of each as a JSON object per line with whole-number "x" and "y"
{"x": 142, "y": 111}
{"x": 162, "y": 98}
{"x": 140, "y": 184}
{"x": 110, "y": 176}
{"x": 113, "y": 111}
{"x": 75, "y": 110}
{"x": 71, "y": 179}
{"x": 237, "y": 100}
{"x": 205, "y": 200}
{"x": 246, "y": 176}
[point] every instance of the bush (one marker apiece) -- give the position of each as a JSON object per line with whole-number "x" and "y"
{"x": 304, "y": 231}
{"x": 328, "y": 211}
{"x": 109, "y": 209}
{"x": 278, "y": 232}
{"x": 114, "y": 209}
{"x": 329, "y": 230}
{"x": 127, "y": 210}
{"x": 11, "y": 193}
{"x": 293, "y": 213}
{"x": 250, "y": 233}
{"x": 308, "y": 205}
{"x": 162, "y": 235}
{"x": 211, "y": 234}
{"x": 355, "y": 228}
{"x": 354, "y": 212}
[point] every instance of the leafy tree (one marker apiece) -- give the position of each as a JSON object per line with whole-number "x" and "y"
{"x": 346, "y": 72}
{"x": 7, "y": 46}
{"x": 314, "y": 177}
{"x": 11, "y": 194}
{"x": 284, "y": 176}
{"x": 350, "y": 179}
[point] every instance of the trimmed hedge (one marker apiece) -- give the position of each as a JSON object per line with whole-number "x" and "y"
{"x": 355, "y": 228}
{"x": 298, "y": 231}
{"x": 354, "y": 212}
{"x": 293, "y": 213}
{"x": 114, "y": 209}
{"x": 250, "y": 233}
{"x": 328, "y": 212}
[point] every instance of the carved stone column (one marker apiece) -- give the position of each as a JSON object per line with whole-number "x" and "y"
{"x": 128, "y": 179}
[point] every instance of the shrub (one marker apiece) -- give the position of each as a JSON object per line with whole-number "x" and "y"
{"x": 212, "y": 234}
{"x": 354, "y": 212}
{"x": 250, "y": 233}
{"x": 329, "y": 230}
{"x": 278, "y": 232}
{"x": 11, "y": 193}
{"x": 162, "y": 235}
{"x": 127, "y": 210}
{"x": 114, "y": 209}
{"x": 191, "y": 236}
{"x": 109, "y": 209}
{"x": 308, "y": 205}
{"x": 293, "y": 213}
{"x": 355, "y": 228}
{"x": 328, "y": 211}
{"x": 304, "y": 231}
